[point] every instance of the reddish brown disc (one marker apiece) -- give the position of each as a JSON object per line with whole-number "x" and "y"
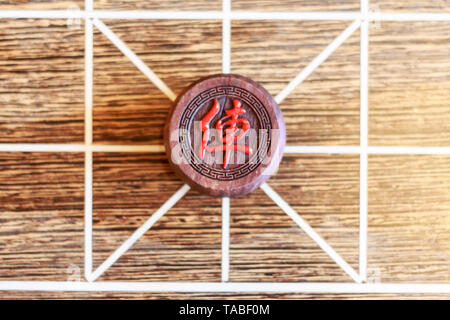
{"x": 225, "y": 135}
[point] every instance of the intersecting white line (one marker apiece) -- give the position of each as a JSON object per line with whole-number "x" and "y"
{"x": 139, "y": 232}
{"x": 88, "y": 129}
{"x": 317, "y": 61}
{"x": 364, "y": 140}
{"x": 225, "y": 238}
{"x": 135, "y": 59}
{"x": 310, "y": 232}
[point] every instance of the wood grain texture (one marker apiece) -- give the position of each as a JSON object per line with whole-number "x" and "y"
{"x": 128, "y": 108}
{"x": 41, "y": 4}
{"x": 41, "y": 81}
{"x": 410, "y": 5}
{"x": 41, "y": 214}
{"x": 266, "y": 245}
{"x": 184, "y": 245}
{"x": 412, "y": 109}
{"x": 324, "y": 109}
{"x": 294, "y": 5}
{"x": 159, "y": 5}
{"x": 409, "y": 218}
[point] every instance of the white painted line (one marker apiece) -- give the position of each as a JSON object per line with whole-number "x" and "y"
{"x": 310, "y": 232}
{"x": 364, "y": 140}
{"x": 41, "y": 147}
{"x": 88, "y": 5}
{"x": 135, "y": 59}
{"x": 322, "y": 149}
{"x": 88, "y": 162}
{"x": 225, "y": 239}
{"x": 128, "y": 148}
{"x": 317, "y": 61}
{"x": 294, "y": 287}
{"x": 277, "y": 15}
{"x": 139, "y": 232}
{"x": 226, "y": 36}
{"x": 146, "y": 14}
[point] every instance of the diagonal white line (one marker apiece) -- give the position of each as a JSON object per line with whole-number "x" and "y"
{"x": 225, "y": 238}
{"x": 139, "y": 232}
{"x": 135, "y": 59}
{"x": 310, "y": 232}
{"x": 317, "y": 61}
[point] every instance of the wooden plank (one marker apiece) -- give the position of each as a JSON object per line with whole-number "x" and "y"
{"x": 294, "y": 5}
{"x": 413, "y": 109}
{"x": 41, "y": 213}
{"x": 409, "y": 218}
{"x": 41, "y": 81}
{"x": 128, "y": 108}
{"x": 159, "y": 5}
{"x": 324, "y": 109}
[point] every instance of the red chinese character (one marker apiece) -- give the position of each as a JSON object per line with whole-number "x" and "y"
{"x": 229, "y": 140}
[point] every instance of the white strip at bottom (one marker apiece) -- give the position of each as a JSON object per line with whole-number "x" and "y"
{"x": 291, "y": 287}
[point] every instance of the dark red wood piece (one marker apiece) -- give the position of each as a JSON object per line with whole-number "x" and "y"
{"x": 225, "y": 135}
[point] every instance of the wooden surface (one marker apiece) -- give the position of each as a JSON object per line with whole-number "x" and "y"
{"x": 41, "y": 4}
{"x": 42, "y": 81}
{"x": 413, "y": 109}
{"x": 42, "y": 100}
{"x": 294, "y": 5}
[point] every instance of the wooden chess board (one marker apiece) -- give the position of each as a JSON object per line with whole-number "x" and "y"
{"x": 364, "y": 90}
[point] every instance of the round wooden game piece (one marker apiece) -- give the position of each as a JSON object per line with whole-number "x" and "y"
{"x": 225, "y": 135}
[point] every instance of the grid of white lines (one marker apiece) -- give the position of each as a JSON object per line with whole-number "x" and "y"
{"x": 359, "y": 20}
